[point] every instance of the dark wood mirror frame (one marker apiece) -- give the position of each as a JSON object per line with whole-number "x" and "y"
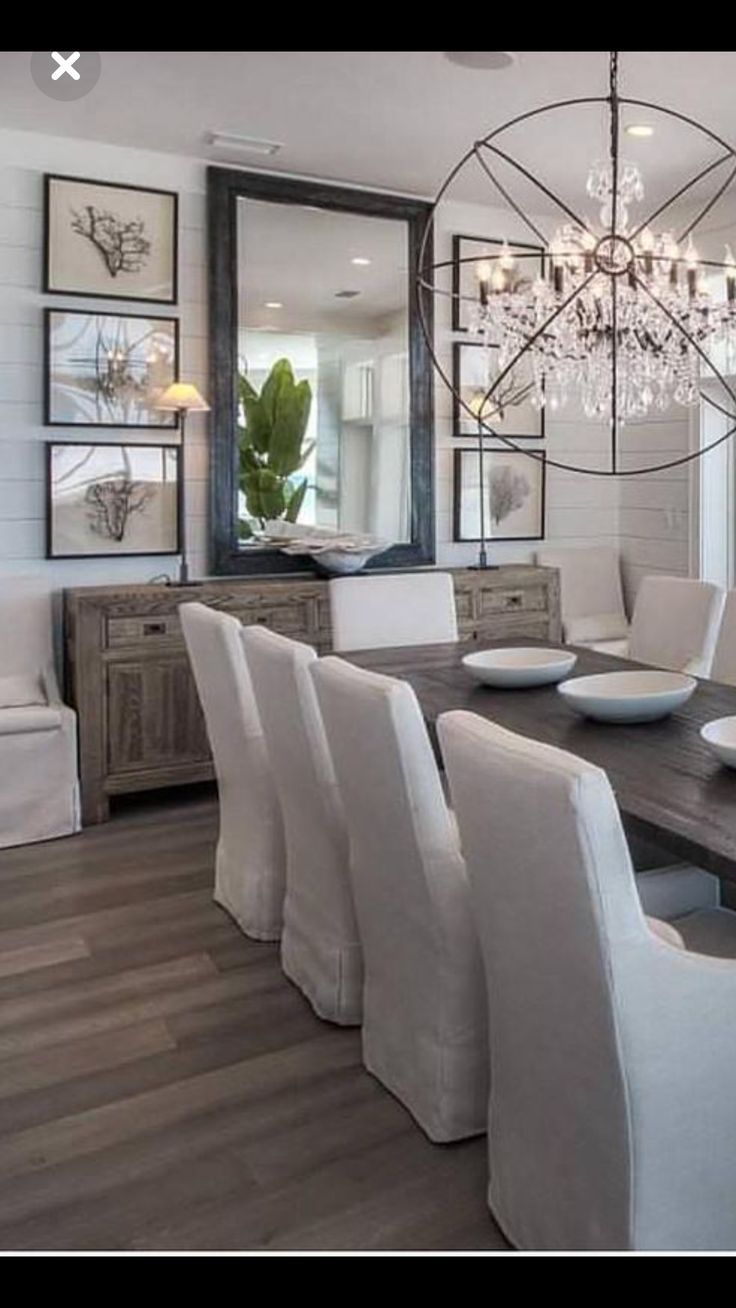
{"x": 224, "y": 187}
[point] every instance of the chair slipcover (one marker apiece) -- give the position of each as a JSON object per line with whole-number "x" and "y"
{"x": 613, "y": 1053}
{"x": 675, "y": 624}
{"x": 320, "y": 949}
{"x": 424, "y": 1020}
{"x": 249, "y": 876}
{"x": 39, "y": 796}
{"x": 724, "y": 659}
{"x": 370, "y": 612}
{"x": 591, "y": 597}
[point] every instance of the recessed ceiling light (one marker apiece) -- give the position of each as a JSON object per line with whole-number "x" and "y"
{"x": 639, "y": 129}
{"x": 360, "y": 261}
{"x": 484, "y": 59}
{"x": 273, "y": 304}
{"x": 346, "y": 295}
{"x": 246, "y": 144}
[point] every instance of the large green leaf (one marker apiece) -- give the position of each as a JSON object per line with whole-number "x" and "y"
{"x": 280, "y": 381}
{"x": 258, "y": 426}
{"x": 290, "y": 424}
{"x": 264, "y": 494}
{"x": 295, "y": 502}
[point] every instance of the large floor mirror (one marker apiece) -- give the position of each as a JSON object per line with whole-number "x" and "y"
{"x": 323, "y": 277}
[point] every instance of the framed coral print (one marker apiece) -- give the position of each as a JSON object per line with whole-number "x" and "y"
{"x": 108, "y": 369}
{"x": 105, "y": 499}
{"x": 116, "y": 241}
{"x": 514, "y": 493}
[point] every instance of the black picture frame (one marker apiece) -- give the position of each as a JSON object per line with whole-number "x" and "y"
{"x": 461, "y": 417}
{"x": 169, "y": 421}
{"x": 489, "y": 244}
{"x": 224, "y": 187}
{"x": 470, "y": 453}
{"x": 50, "y": 446}
{"x": 50, "y": 289}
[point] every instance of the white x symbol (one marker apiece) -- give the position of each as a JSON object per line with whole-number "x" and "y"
{"x": 65, "y": 65}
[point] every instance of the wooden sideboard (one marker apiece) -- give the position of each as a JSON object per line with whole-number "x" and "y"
{"x": 127, "y": 674}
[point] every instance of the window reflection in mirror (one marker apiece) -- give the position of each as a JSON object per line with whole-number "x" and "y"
{"x": 328, "y": 291}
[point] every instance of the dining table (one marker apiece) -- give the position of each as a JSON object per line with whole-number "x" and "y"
{"x": 671, "y": 790}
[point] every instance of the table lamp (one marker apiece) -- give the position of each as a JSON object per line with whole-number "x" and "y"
{"x": 182, "y": 398}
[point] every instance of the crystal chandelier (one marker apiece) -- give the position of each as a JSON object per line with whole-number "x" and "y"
{"x": 662, "y": 306}
{"x": 624, "y": 315}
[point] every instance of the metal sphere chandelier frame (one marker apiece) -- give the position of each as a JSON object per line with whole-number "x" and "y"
{"x": 618, "y": 313}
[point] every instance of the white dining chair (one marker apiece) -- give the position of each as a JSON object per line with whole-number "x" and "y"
{"x": 320, "y": 948}
{"x": 723, "y": 667}
{"x": 675, "y": 623}
{"x": 250, "y": 859}
{"x": 370, "y": 612}
{"x": 424, "y": 1020}
{"x": 39, "y": 794}
{"x": 591, "y": 597}
{"x": 613, "y": 1052}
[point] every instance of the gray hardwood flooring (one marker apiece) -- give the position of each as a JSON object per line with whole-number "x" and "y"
{"x": 163, "y": 1087}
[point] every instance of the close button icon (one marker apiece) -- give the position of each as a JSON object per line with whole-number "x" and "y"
{"x": 66, "y": 68}
{"x": 66, "y": 74}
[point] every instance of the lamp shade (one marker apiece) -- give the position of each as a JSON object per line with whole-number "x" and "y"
{"x": 182, "y": 395}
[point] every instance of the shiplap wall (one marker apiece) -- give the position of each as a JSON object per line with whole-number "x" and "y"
{"x": 579, "y": 509}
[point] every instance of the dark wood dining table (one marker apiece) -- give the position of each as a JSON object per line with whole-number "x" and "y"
{"x": 670, "y": 789}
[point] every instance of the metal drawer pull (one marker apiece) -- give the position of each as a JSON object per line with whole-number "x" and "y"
{"x": 154, "y": 628}
{"x": 514, "y": 601}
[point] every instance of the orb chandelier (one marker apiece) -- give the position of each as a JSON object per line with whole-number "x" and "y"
{"x": 624, "y": 316}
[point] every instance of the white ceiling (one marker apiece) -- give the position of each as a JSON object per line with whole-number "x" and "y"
{"x": 389, "y": 119}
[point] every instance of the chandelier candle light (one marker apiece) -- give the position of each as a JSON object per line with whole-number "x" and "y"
{"x": 182, "y": 398}
{"x": 624, "y": 310}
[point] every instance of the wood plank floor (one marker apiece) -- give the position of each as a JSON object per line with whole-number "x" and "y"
{"x": 163, "y": 1087}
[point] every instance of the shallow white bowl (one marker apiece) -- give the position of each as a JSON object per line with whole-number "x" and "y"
{"x": 720, "y": 737}
{"x": 628, "y": 696}
{"x": 520, "y": 667}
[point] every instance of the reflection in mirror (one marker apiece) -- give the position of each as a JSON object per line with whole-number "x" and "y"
{"x": 328, "y": 291}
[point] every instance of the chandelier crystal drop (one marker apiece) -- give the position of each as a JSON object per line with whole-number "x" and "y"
{"x": 661, "y": 298}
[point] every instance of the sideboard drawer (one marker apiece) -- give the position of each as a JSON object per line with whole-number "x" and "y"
{"x": 142, "y": 631}
{"x": 290, "y": 619}
{"x": 522, "y": 599}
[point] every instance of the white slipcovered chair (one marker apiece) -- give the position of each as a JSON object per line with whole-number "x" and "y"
{"x": 613, "y": 1053}
{"x": 250, "y": 861}
{"x": 424, "y": 1019}
{"x": 39, "y": 795}
{"x": 591, "y": 597}
{"x": 675, "y": 624}
{"x": 320, "y": 949}
{"x": 723, "y": 667}
{"x": 370, "y": 612}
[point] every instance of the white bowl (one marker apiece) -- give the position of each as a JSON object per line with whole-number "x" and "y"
{"x": 720, "y": 737}
{"x": 520, "y": 667}
{"x": 628, "y": 696}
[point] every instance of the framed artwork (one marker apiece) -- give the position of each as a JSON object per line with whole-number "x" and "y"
{"x": 464, "y": 279}
{"x": 104, "y": 499}
{"x": 511, "y": 411}
{"x": 514, "y": 495}
{"x": 107, "y": 369}
{"x": 111, "y": 240}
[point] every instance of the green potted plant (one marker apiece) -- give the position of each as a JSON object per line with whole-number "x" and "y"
{"x": 272, "y": 447}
